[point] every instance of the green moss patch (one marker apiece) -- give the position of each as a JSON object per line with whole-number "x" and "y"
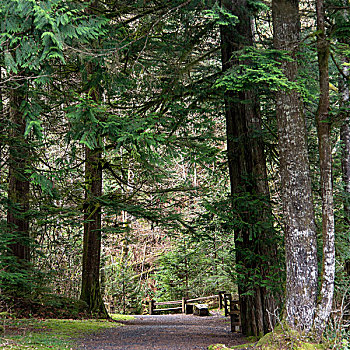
{"x": 280, "y": 339}
{"x": 237, "y": 347}
{"x": 49, "y": 334}
{"x": 288, "y": 340}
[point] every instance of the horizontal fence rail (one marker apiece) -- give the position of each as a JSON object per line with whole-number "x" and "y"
{"x": 203, "y": 298}
{"x": 169, "y": 309}
{"x": 173, "y": 302}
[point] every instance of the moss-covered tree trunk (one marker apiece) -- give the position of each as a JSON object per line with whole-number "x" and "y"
{"x": 91, "y": 288}
{"x": 18, "y": 190}
{"x": 256, "y": 254}
{"x": 298, "y": 213}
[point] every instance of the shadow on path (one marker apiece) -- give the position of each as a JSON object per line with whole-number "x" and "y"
{"x": 165, "y": 332}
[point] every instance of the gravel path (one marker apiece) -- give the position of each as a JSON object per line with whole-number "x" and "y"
{"x": 164, "y": 332}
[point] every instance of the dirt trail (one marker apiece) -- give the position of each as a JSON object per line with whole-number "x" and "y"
{"x": 164, "y": 332}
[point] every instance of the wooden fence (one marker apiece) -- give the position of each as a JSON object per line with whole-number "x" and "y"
{"x": 224, "y": 301}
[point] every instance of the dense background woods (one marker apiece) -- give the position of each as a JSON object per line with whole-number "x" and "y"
{"x": 169, "y": 149}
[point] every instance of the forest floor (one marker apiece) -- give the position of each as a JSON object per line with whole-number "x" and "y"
{"x": 164, "y": 332}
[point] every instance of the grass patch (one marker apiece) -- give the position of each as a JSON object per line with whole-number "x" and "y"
{"x": 52, "y": 334}
{"x": 118, "y": 317}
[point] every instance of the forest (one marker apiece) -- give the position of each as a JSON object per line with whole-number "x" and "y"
{"x": 161, "y": 149}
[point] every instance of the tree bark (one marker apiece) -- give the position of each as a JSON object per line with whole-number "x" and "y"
{"x": 18, "y": 191}
{"x": 247, "y": 168}
{"x": 91, "y": 288}
{"x": 298, "y": 213}
{"x": 344, "y": 98}
{"x": 345, "y": 140}
{"x": 324, "y": 306}
{"x": 345, "y": 144}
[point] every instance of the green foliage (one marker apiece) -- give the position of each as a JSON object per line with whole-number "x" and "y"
{"x": 258, "y": 69}
{"x": 221, "y": 16}
{"x": 14, "y": 277}
{"x": 247, "y": 213}
{"x": 85, "y": 123}
{"x": 35, "y": 33}
{"x": 124, "y": 287}
{"x": 199, "y": 263}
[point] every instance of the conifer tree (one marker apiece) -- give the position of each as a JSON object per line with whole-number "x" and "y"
{"x": 248, "y": 177}
{"x": 91, "y": 289}
{"x": 18, "y": 191}
{"x": 32, "y": 36}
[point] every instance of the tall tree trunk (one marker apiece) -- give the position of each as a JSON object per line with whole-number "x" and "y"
{"x": 91, "y": 288}
{"x": 345, "y": 140}
{"x": 344, "y": 98}
{"x": 247, "y": 168}
{"x": 324, "y": 306}
{"x": 18, "y": 191}
{"x": 299, "y": 222}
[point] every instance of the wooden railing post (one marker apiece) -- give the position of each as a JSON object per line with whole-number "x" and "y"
{"x": 221, "y": 293}
{"x": 230, "y": 303}
{"x": 235, "y": 315}
{"x": 227, "y": 298}
{"x": 151, "y": 307}
{"x": 225, "y": 304}
{"x": 183, "y": 305}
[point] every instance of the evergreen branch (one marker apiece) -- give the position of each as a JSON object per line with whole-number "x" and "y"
{"x": 340, "y": 70}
